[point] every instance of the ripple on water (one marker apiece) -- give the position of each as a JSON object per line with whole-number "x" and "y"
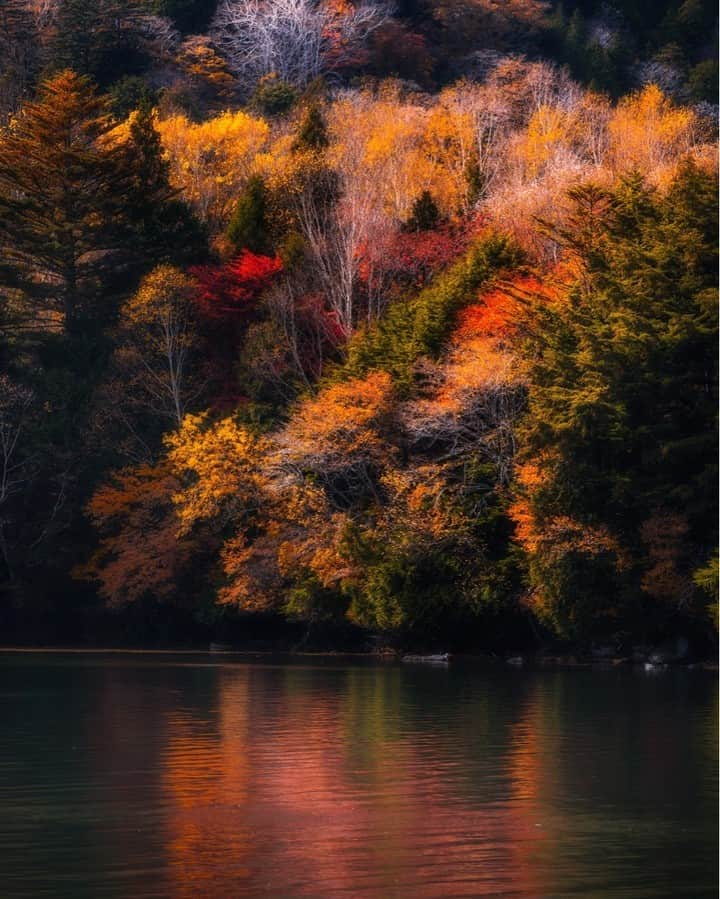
{"x": 176, "y": 777}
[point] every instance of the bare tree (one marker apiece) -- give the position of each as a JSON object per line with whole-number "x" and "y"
{"x": 151, "y": 380}
{"x": 296, "y": 39}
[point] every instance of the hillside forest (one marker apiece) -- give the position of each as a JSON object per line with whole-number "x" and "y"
{"x": 330, "y": 321}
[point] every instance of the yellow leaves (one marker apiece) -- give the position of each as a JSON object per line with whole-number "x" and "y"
{"x": 220, "y": 467}
{"x": 210, "y": 161}
{"x": 399, "y": 149}
{"x": 159, "y": 294}
{"x": 548, "y": 129}
{"x": 647, "y": 131}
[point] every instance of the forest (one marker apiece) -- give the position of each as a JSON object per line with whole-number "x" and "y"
{"x": 328, "y": 323}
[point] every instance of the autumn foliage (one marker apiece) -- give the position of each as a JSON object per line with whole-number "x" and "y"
{"x": 426, "y": 346}
{"x": 230, "y": 291}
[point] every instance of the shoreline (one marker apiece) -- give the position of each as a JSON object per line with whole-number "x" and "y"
{"x": 527, "y": 662}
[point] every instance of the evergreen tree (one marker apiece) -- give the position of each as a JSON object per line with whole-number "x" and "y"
{"x": 163, "y": 229}
{"x": 248, "y": 225}
{"x": 312, "y": 134}
{"x": 425, "y": 215}
{"x": 18, "y": 52}
{"x": 62, "y": 190}
{"x": 100, "y": 38}
{"x": 623, "y": 403}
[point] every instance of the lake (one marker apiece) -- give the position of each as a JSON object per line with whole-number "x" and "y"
{"x": 215, "y": 777}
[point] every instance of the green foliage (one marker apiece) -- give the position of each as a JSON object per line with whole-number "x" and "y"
{"x": 423, "y": 591}
{"x": 425, "y": 215}
{"x": 163, "y": 229}
{"x": 703, "y": 81}
{"x": 273, "y": 96}
{"x": 623, "y": 397}
{"x": 632, "y": 33}
{"x": 418, "y": 326}
{"x": 190, "y": 16}
{"x": 100, "y": 39}
{"x": 312, "y": 133}
{"x": 62, "y": 201}
{"x": 248, "y": 228}
{"x": 129, "y": 93}
{"x": 707, "y": 578}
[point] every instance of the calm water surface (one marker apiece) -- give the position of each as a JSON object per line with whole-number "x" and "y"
{"x": 192, "y": 776}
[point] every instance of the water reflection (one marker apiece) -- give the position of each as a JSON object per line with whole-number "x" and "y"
{"x": 129, "y": 777}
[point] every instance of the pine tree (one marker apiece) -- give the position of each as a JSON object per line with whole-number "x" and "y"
{"x": 425, "y": 215}
{"x": 622, "y": 413}
{"x": 163, "y": 228}
{"x": 248, "y": 226}
{"x": 61, "y": 200}
{"x": 18, "y": 52}
{"x": 312, "y": 134}
{"x": 102, "y": 38}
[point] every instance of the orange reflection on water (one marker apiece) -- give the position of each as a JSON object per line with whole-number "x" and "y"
{"x": 205, "y": 778}
{"x": 301, "y": 790}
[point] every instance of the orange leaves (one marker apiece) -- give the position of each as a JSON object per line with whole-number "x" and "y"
{"x": 140, "y": 551}
{"x": 342, "y": 424}
{"x": 495, "y": 316}
{"x": 420, "y": 508}
{"x": 132, "y": 489}
{"x": 500, "y": 312}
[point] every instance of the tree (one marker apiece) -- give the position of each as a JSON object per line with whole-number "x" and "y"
{"x": 62, "y": 202}
{"x": 273, "y": 96}
{"x": 425, "y": 214}
{"x": 15, "y": 404}
{"x": 18, "y": 54}
{"x": 649, "y": 133}
{"x": 157, "y": 324}
{"x": 230, "y": 291}
{"x": 140, "y": 551}
{"x": 211, "y": 161}
{"x": 248, "y": 226}
{"x": 340, "y": 435}
{"x": 312, "y": 134}
{"x": 619, "y": 445}
{"x": 100, "y": 39}
{"x": 163, "y": 227}
{"x": 296, "y": 39}
{"x": 190, "y": 16}
{"x": 219, "y": 467}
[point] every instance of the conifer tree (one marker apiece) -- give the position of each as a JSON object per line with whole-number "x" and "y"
{"x": 163, "y": 228}
{"x": 621, "y": 429}
{"x": 62, "y": 192}
{"x": 18, "y": 52}
{"x": 425, "y": 215}
{"x": 248, "y": 226}
{"x": 312, "y": 134}
{"x": 99, "y": 38}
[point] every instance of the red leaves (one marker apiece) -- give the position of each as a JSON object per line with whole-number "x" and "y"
{"x": 408, "y": 259}
{"x": 230, "y": 291}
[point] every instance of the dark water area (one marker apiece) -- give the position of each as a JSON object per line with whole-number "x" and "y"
{"x": 142, "y": 775}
